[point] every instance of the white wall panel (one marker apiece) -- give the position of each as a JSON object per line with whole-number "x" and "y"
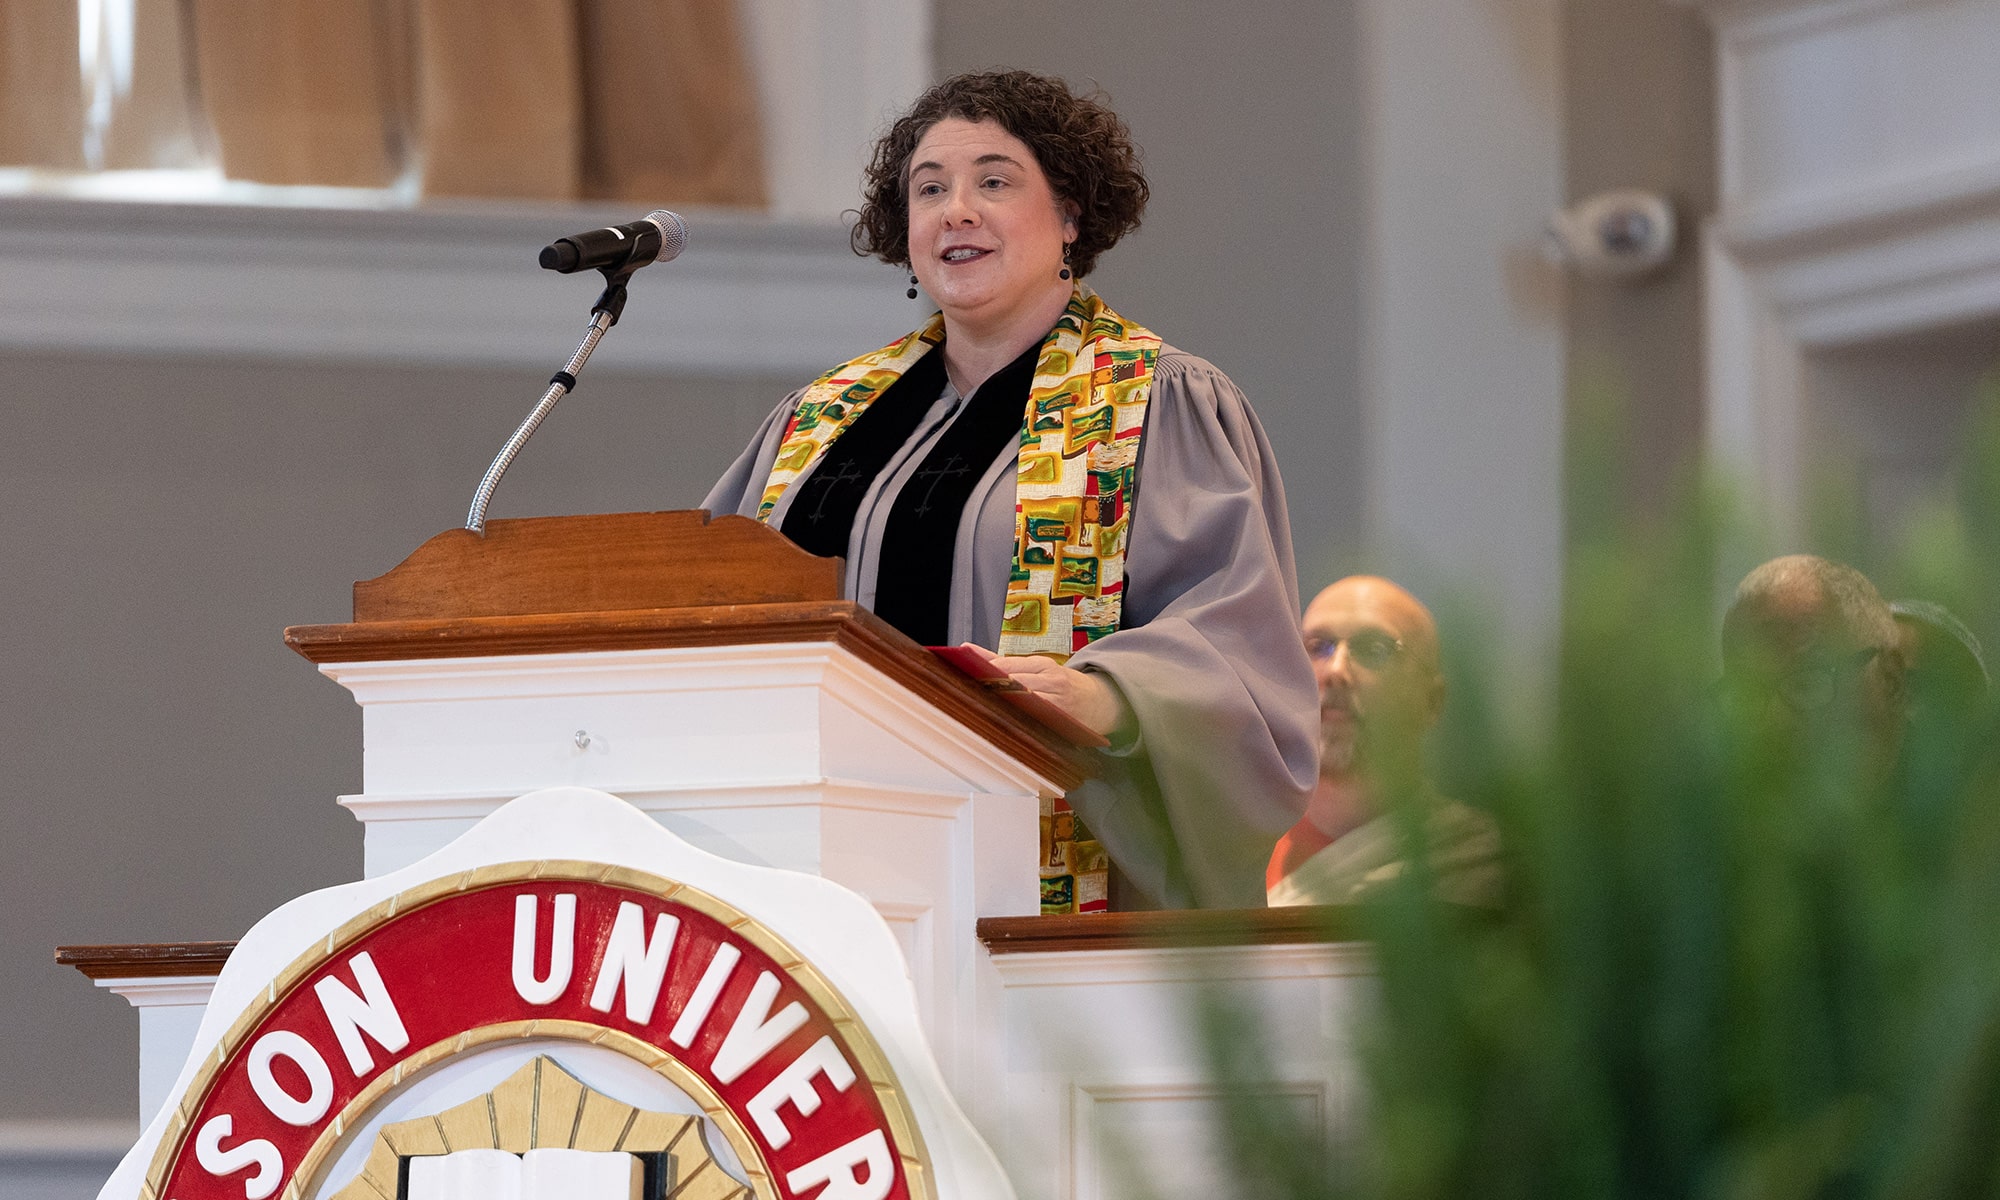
{"x": 1463, "y": 351}
{"x": 1860, "y": 147}
{"x": 1844, "y": 94}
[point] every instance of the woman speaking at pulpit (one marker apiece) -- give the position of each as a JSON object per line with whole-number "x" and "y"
{"x": 1031, "y": 473}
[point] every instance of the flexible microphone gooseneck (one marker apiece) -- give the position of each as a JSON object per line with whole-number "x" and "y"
{"x": 617, "y": 251}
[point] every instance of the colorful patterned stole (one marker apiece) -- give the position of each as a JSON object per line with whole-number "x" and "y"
{"x": 1078, "y": 474}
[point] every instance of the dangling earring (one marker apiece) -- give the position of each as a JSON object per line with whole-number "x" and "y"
{"x": 912, "y": 293}
{"x": 1064, "y": 273}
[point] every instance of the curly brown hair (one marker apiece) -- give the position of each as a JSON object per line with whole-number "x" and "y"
{"x": 1081, "y": 145}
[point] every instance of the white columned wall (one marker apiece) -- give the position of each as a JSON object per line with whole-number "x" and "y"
{"x": 1463, "y": 347}
{"x": 831, "y": 74}
{"x": 1860, "y": 201}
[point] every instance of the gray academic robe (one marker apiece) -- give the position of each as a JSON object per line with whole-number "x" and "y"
{"x": 1209, "y": 656}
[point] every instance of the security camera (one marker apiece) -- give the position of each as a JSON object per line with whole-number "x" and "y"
{"x": 1612, "y": 235}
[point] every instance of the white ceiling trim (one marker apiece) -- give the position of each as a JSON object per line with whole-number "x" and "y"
{"x": 1918, "y": 253}
{"x": 443, "y": 285}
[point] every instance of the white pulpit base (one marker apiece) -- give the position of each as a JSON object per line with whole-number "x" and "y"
{"x": 797, "y": 755}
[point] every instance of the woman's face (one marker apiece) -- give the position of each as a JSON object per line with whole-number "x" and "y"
{"x": 986, "y": 230}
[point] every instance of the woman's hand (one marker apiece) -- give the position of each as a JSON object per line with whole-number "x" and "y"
{"x": 1085, "y": 695}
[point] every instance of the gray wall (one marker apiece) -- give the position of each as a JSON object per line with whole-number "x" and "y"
{"x": 1640, "y": 112}
{"x": 1886, "y": 430}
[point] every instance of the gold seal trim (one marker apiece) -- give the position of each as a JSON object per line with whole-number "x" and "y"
{"x": 871, "y": 1062}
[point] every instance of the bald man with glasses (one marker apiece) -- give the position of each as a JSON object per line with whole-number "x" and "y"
{"x": 1374, "y": 650}
{"x": 1808, "y": 644}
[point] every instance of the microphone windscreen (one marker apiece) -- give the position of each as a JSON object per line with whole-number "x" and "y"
{"x": 673, "y": 234}
{"x": 559, "y": 256}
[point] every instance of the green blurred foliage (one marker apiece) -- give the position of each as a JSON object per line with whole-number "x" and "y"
{"x": 1735, "y": 957}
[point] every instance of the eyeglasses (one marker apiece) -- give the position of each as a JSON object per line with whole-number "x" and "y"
{"x": 1812, "y": 685}
{"x": 1369, "y": 648}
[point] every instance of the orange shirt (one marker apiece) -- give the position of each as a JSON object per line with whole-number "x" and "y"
{"x": 1300, "y": 843}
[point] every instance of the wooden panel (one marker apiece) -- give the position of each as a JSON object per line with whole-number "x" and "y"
{"x": 841, "y": 622}
{"x": 1002, "y": 935}
{"x": 597, "y": 563}
{"x": 637, "y": 581}
{"x": 146, "y": 960}
{"x": 1162, "y": 930}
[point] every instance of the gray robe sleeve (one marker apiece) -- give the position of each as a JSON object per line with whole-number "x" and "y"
{"x": 1208, "y": 656}
{"x": 741, "y": 488}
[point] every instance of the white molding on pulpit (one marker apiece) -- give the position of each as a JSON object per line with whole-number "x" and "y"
{"x": 716, "y": 816}
{"x": 1105, "y": 1034}
{"x": 159, "y": 991}
{"x": 805, "y": 756}
{"x": 1090, "y": 1109}
{"x": 823, "y": 790}
{"x": 680, "y": 673}
{"x": 443, "y": 285}
{"x": 912, "y": 922}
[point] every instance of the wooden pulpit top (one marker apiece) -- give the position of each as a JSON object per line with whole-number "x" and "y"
{"x": 597, "y": 563}
{"x": 641, "y": 581}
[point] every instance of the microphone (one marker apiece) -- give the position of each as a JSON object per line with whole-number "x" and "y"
{"x": 659, "y": 236}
